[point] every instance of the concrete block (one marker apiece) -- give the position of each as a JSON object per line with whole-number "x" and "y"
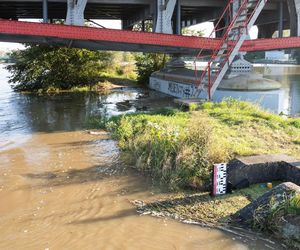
{"x": 264, "y": 168}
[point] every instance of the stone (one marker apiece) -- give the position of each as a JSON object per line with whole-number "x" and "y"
{"x": 280, "y": 193}
{"x": 269, "y": 213}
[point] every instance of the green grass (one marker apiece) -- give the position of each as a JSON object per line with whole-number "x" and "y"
{"x": 179, "y": 148}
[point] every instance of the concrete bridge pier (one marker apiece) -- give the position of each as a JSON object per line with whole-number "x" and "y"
{"x": 297, "y": 7}
{"x": 165, "y": 9}
{"x": 75, "y": 12}
{"x": 45, "y": 11}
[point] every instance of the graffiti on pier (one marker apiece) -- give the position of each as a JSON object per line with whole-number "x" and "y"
{"x": 182, "y": 90}
{"x": 174, "y": 88}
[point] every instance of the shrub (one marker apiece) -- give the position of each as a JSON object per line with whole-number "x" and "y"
{"x": 43, "y": 67}
{"x": 148, "y": 63}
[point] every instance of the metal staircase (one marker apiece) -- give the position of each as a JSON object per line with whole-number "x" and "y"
{"x": 234, "y": 34}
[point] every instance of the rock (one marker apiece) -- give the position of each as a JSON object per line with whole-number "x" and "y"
{"x": 269, "y": 212}
{"x": 280, "y": 193}
{"x": 290, "y": 229}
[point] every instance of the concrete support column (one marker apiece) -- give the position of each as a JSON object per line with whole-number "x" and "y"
{"x": 75, "y": 13}
{"x": 45, "y": 11}
{"x": 165, "y": 9}
{"x": 280, "y": 23}
{"x": 294, "y": 16}
{"x": 297, "y": 6}
{"x": 178, "y": 17}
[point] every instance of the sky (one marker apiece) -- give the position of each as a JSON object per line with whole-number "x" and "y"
{"x": 116, "y": 24}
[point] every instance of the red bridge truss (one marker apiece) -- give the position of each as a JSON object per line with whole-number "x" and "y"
{"x": 122, "y": 40}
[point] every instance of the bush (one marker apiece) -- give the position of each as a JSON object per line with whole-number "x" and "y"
{"x": 44, "y": 67}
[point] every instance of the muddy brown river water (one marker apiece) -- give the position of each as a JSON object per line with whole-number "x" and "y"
{"x": 62, "y": 187}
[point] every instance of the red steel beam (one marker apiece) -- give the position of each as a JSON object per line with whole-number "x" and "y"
{"x": 271, "y": 44}
{"x": 130, "y": 37}
{"x": 109, "y": 35}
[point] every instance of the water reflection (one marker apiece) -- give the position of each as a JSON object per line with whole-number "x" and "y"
{"x": 24, "y": 114}
{"x": 289, "y": 77}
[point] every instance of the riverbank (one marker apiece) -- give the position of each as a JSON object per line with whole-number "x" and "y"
{"x": 177, "y": 149}
{"x": 61, "y": 186}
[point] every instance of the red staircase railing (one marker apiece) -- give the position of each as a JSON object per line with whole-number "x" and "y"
{"x": 229, "y": 40}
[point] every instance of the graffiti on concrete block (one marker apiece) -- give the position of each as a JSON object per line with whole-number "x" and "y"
{"x": 180, "y": 89}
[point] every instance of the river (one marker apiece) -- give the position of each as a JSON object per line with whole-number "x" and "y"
{"x": 62, "y": 187}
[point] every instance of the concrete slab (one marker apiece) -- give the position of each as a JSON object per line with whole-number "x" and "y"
{"x": 263, "y": 168}
{"x": 261, "y": 159}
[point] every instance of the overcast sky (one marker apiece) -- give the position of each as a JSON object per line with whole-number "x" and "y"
{"x": 116, "y": 24}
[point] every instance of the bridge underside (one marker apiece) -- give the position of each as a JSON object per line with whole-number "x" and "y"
{"x": 121, "y": 40}
{"x": 132, "y": 11}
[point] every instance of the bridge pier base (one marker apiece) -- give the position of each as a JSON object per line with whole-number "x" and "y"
{"x": 75, "y": 12}
{"x": 165, "y": 9}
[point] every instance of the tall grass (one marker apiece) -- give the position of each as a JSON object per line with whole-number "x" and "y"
{"x": 179, "y": 148}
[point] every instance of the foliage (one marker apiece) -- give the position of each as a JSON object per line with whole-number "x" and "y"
{"x": 148, "y": 63}
{"x": 43, "y": 67}
{"x": 148, "y": 26}
{"x": 123, "y": 65}
{"x": 191, "y": 32}
{"x": 179, "y": 148}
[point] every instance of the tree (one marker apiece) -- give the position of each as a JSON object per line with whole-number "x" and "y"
{"x": 191, "y": 32}
{"x": 42, "y": 67}
{"x": 148, "y": 63}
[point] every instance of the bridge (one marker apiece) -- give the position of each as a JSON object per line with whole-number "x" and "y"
{"x": 232, "y": 21}
{"x": 123, "y": 40}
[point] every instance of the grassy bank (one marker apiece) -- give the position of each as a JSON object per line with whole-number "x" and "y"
{"x": 178, "y": 148}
